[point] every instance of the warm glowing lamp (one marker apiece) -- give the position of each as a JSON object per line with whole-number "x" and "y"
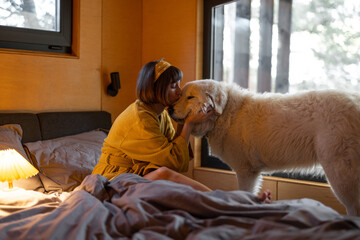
{"x": 13, "y": 166}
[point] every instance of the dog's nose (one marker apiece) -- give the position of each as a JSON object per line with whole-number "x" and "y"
{"x": 170, "y": 110}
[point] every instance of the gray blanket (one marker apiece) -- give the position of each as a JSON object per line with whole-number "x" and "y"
{"x": 131, "y": 207}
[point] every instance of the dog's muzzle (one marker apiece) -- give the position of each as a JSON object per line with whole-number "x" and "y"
{"x": 171, "y": 113}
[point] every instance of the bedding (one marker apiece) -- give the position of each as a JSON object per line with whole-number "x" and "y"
{"x": 18, "y": 199}
{"x": 72, "y": 204}
{"x": 66, "y": 161}
{"x": 131, "y": 207}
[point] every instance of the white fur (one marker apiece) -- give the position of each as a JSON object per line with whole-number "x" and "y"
{"x": 254, "y": 133}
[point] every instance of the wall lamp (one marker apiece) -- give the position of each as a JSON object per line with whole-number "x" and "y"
{"x": 114, "y": 86}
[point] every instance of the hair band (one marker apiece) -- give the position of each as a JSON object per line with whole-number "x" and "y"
{"x": 160, "y": 67}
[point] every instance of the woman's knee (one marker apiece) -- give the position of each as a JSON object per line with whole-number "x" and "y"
{"x": 165, "y": 173}
{"x": 162, "y": 173}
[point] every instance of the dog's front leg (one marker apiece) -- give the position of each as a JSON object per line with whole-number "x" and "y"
{"x": 249, "y": 180}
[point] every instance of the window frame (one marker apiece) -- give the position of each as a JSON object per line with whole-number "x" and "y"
{"x": 209, "y": 35}
{"x": 41, "y": 40}
{"x": 208, "y": 160}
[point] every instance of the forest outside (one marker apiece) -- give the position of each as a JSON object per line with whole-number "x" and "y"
{"x": 324, "y": 44}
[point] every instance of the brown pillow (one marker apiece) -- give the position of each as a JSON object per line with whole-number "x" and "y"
{"x": 10, "y": 138}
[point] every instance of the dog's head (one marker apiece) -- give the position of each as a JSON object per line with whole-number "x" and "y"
{"x": 199, "y": 96}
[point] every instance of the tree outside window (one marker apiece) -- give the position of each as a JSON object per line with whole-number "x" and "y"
{"x": 32, "y": 14}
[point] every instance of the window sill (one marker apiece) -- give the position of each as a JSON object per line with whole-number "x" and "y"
{"x": 36, "y": 53}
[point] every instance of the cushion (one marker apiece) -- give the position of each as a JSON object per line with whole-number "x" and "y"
{"x": 10, "y": 138}
{"x": 29, "y": 123}
{"x": 66, "y": 161}
{"x": 60, "y": 124}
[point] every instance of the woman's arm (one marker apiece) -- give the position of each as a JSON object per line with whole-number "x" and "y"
{"x": 179, "y": 128}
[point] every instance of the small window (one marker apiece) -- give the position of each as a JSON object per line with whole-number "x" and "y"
{"x": 36, "y": 25}
{"x": 281, "y": 46}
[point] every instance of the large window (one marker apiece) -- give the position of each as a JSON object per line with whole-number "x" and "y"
{"x": 281, "y": 46}
{"x": 37, "y": 25}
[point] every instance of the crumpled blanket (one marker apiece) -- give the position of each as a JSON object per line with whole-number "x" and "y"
{"x": 131, "y": 207}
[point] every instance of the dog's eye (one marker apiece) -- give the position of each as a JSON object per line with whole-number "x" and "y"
{"x": 190, "y": 97}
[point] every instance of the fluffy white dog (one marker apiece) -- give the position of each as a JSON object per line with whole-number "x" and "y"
{"x": 254, "y": 132}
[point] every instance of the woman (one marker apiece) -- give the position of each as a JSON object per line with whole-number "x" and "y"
{"x": 143, "y": 140}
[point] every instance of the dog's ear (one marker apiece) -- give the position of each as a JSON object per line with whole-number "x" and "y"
{"x": 217, "y": 100}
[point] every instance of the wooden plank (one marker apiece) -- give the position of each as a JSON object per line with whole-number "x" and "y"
{"x": 216, "y": 179}
{"x": 265, "y": 45}
{"x": 242, "y": 43}
{"x": 322, "y": 194}
{"x": 284, "y": 33}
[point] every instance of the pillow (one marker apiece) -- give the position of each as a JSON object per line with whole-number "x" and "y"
{"x": 66, "y": 161}
{"x": 10, "y": 138}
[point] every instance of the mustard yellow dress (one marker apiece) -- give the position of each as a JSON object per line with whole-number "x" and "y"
{"x": 139, "y": 142}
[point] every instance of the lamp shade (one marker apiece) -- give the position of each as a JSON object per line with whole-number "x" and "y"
{"x": 13, "y": 166}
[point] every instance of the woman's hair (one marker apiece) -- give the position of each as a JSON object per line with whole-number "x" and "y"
{"x": 150, "y": 91}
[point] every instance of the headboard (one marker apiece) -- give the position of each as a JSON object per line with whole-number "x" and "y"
{"x": 49, "y": 125}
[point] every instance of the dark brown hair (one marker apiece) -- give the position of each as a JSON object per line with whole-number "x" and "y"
{"x": 150, "y": 91}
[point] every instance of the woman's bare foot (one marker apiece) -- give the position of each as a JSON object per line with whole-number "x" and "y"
{"x": 265, "y": 197}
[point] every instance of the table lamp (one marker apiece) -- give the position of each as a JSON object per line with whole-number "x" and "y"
{"x": 13, "y": 166}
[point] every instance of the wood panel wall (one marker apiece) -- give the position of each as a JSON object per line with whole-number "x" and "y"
{"x": 121, "y": 51}
{"x": 170, "y": 32}
{"x": 43, "y": 82}
{"x": 111, "y": 36}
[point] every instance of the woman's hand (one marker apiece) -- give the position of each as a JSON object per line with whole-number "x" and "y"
{"x": 201, "y": 116}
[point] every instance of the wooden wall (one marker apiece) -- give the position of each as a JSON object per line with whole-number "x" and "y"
{"x": 121, "y": 51}
{"x": 44, "y": 82}
{"x": 112, "y": 36}
{"x": 170, "y": 32}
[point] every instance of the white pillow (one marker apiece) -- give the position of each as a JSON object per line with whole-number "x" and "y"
{"x": 10, "y": 138}
{"x": 66, "y": 161}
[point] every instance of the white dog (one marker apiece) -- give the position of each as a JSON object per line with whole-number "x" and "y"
{"x": 254, "y": 132}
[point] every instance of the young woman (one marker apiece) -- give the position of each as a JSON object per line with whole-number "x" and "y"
{"x": 143, "y": 140}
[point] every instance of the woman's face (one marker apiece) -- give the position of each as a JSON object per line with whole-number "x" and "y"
{"x": 173, "y": 92}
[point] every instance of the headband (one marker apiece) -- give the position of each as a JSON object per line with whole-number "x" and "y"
{"x": 160, "y": 67}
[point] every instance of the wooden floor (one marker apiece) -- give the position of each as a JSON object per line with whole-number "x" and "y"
{"x": 281, "y": 188}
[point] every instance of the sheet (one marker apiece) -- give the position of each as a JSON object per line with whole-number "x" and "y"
{"x": 131, "y": 207}
{"x": 17, "y": 199}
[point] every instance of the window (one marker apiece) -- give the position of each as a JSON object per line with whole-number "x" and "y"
{"x": 36, "y": 25}
{"x": 281, "y": 46}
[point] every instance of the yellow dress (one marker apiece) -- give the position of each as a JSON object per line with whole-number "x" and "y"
{"x": 139, "y": 142}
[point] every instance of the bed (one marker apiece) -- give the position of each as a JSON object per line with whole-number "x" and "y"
{"x": 64, "y": 201}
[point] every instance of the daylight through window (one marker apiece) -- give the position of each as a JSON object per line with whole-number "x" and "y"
{"x": 286, "y": 45}
{"x": 281, "y": 46}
